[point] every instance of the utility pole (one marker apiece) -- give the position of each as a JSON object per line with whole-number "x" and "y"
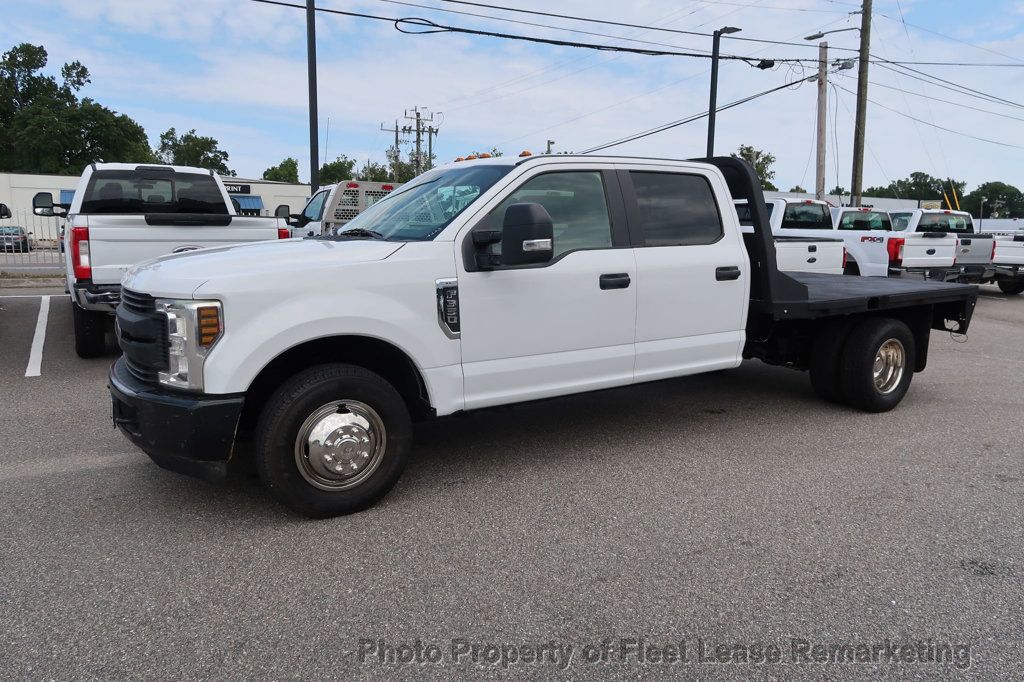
{"x": 713, "y": 105}
{"x": 862, "y": 104}
{"x": 819, "y": 172}
{"x": 551, "y": 144}
{"x": 418, "y": 131}
{"x": 394, "y": 159}
{"x": 314, "y": 143}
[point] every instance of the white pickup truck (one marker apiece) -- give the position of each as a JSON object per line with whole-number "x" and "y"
{"x": 1008, "y": 262}
{"x": 334, "y": 205}
{"x": 123, "y": 214}
{"x": 549, "y": 275}
{"x": 973, "y": 251}
{"x": 875, "y": 250}
{"x": 814, "y": 249}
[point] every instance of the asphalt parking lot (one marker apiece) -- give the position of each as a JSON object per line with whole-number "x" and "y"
{"x": 729, "y": 509}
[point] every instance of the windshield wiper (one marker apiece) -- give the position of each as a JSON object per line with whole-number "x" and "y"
{"x": 361, "y": 233}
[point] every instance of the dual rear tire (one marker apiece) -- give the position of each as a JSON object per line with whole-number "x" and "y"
{"x": 867, "y": 364}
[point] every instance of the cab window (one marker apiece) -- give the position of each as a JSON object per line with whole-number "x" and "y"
{"x": 676, "y": 209}
{"x": 315, "y": 208}
{"x": 575, "y": 200}
{"x": 805, "y": 216}
{"x": 865, "y": 220}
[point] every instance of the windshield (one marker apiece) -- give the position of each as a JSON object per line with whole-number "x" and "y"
{"x": 743, "y": 211}
{"x": 900, "y": 221}
{"x": 945, "y": 222}
{"x": 421, "y": 209}
{"x": 865, "y": 220}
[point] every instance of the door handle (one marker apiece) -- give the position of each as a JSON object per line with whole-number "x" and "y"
{"x": 619, "y": 280}
{"x": 727, "y": 273}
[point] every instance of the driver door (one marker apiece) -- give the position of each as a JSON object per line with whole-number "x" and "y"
{"x": 559, "y": 327}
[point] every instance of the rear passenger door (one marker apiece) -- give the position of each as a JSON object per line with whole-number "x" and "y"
{"x": 692, "y": 272}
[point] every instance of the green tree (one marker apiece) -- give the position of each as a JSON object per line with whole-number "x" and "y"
{"x": 286, "y": 171}
{"x": 494, "y": 152}
{"x": 44, "y": 128}
{"x": 374, "y": 172}
{"x": 919, "y": 185}
{"x": 838, "y": 191}
{"x": 1001, "y": 201}
{"x": 762, "y": 162}
{"x": 342, "y": 168}
{"x": 798, "y": 188}
{"x": 192, "y": 149}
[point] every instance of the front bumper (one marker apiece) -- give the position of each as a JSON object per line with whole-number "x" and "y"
{"x": 104, "y": 297}
{"x": 189, "y": 434}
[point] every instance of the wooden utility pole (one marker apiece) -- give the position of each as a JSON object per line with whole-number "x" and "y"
{"x": 819, "y": 167}
{"x": 397, "y": 154}
{"x": 862, "y": 105}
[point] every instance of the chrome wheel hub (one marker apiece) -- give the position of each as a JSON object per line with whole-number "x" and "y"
{"x": 890, "y": 363}
{"x": 340, "y": 445}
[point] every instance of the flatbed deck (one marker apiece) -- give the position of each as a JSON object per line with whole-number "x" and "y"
{"x": 829, "y": 295}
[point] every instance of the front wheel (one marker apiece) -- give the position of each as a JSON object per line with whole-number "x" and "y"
{"x": 1011, "y": 287}
{"x": 332, "y": 440}
{"x": 877, "y": 364}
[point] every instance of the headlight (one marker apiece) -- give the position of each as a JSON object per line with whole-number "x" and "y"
{"x": 193, "y": 327}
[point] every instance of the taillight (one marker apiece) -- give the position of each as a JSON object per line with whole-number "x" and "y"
{"x": 284, "y": 233}
{"x": 956, "y": 250}
{"x": 844, "y": 257}
{"x": 81, "y": 263}
{"x": 895, "y": 249}
{"x": 993, "y": 256}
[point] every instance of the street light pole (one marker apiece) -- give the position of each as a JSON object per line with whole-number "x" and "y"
{"x": 713, "y": 104}
{"x": 314, "y": 142}
{"x": 862, "y": 105}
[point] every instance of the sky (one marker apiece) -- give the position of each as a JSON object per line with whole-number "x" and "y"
{"x": 236, "y": 70}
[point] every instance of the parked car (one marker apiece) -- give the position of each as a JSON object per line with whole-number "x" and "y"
{"x": 332, "y": 206}
{"x": 123, "y": 214}
{"x": 562, "y": 274}
{"x": 875, "y": 250}
{"x": 973, "y": 251}
{"x": 14, "y": 238}
{"x": 814, "y": 249}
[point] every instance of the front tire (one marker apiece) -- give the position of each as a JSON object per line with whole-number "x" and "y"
{"x": 332, "y": 440}
{"x": 877, "y": 364}
{"x": 1011, "y": 287}
{"x": 90, "y": 331}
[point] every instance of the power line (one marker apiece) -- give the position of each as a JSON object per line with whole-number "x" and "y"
{"x": 944, "y": 101}
{"x": 934, "y": 125}
{"x": 939, "y": 80}
{"x": 690, "y": 119}
{"x": 906, "y": 23}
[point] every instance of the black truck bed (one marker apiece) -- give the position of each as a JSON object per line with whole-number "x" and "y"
{"x": 828, "y": 295}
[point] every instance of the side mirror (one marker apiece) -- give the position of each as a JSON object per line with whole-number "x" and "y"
{"x": 4, "y": 211}
{"x": 527, "y": 235}
{"x": 297, "y": 220}
{"x": 42, "y": 204}
{"x": 282, "y": 211}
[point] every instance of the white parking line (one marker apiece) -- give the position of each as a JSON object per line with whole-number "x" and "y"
{"x": 35, "y": 356}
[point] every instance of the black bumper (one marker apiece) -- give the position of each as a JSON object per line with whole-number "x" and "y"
{"x": 190, "y": 434}
{"x": 97, "y": 296}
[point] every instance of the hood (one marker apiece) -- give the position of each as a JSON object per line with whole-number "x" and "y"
{"x": 180, "y": 274}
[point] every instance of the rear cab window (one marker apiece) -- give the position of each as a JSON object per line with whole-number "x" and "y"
{"x": 744, "y": 214}
{"x": 900, "y": 221}
{"x": 152, "y": 190}
{"x": 949, "y": 223}
{"x": 865, "y": 220}
{"x": 676, "y": 209}
{"x": 806, "y": 216}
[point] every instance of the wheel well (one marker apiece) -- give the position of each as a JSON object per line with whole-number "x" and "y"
{"x": 378, "y": 356}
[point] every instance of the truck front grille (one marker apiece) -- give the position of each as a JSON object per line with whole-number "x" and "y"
{"x": 142, "y": 335}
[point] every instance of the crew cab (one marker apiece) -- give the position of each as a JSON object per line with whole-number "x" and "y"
{"x": 812, "y": 249}
{"x": 551, "y": 275}
{"x": 875, "y": 251}
{"x": 973, "y": 251}
{"x": 123, "y": 214}
{"x": 334, "y": 205}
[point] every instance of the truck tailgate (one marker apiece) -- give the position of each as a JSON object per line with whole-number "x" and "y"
{"x": 805, "y": 254}
{"x": 928, "y": 250}
{"x": 1009, "y": 249}
{"x": 975, "y": 249}
{"x": 117, "y": 242}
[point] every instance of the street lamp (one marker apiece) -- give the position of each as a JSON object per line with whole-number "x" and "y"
{"x": 821, "y": 34}
{"x": 717, "y": 35}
